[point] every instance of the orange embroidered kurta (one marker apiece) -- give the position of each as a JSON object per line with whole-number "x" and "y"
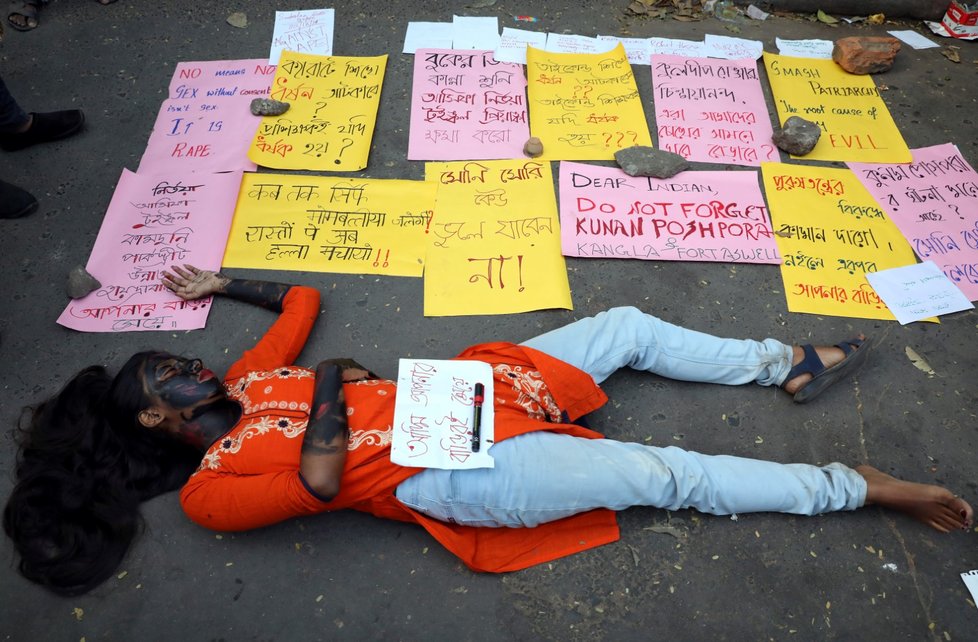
{"x": 250, "y": 477}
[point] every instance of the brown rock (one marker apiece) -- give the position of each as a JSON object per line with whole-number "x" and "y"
{"x": 533, "y": 147}
{"x": 865, "y": 54}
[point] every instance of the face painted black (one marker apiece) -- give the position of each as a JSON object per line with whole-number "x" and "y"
{"x": 182, "y": 384}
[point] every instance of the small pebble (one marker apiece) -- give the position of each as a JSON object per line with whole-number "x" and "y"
{"x": 268, "y": 107}
{"x": 533, "y": 147}
{"x": 81, "y": 283}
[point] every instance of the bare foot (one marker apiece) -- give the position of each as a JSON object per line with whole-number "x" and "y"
{"x": 830, "y": 355}
{"x": 933, "y": 505}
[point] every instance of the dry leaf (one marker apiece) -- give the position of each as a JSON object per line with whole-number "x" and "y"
{"x": 638, "y": 8}
{"x": 876, "y": 19}
{"x": 919, "y": 362}
{"x": 951, "y": 54}
{"x": 826, "y": 18}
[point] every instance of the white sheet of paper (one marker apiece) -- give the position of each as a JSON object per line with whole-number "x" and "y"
{"x": 919, "y": 291}
{"x": 913, "y": 39}
{"x": 638, "y": 50}
{"x": 971, "y": 581}
{"x": 573, "y": 43}
{"x": 475, "y": 33}
{"x": 434, "y": 414}
{"x": 732, "y": 48}
{"x": 513, "y": 42}
{"x": 309, "y": 32}
{"x": 811, "y": 48}
{"x": 427, "y": 35}
{"x": 675, "y": 47}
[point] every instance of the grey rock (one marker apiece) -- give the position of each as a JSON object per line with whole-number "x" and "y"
{"x": 533, "y": 147}
{"x": 649, "y": 161}
{"x": 81, "y": 283}
{"x": 797, "y": 136}
{"x": 268, "y": 107}
{"x": 238, "y": 19}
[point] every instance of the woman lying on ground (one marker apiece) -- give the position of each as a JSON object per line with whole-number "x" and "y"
{"x": 275, "y": 441}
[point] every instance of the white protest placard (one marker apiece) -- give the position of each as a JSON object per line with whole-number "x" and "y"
{"x": 475, "y": 33}
{"x": 810, "y": 48}
{"x": 427, "y": 35}
{"x": 308, "y": 32}
{"x": 435, "y": 412}
{"x": 970, "y": 579}
{"x": 513, "y": 43}
{"x": 914, "y": 39}
{"x": 918, "y": 291}
{"x": 674, "y": 47}
{"x": 573, "y": 43}
{"x": 638, "y": 50}
{"x": 732, "y": 48}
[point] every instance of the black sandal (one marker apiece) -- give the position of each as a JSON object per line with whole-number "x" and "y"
{"x": 27, "y": 9}
{"x": 15, "y": 202}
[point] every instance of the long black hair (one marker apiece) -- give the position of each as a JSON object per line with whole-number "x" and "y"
{"x": 84, "y": 466}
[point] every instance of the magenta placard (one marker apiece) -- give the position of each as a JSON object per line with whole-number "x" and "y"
{"x": 693, "y": 216}
{"x": 466, "y": 106}
{"x": 933, "y": 202}
{"x": 154, "y": 222}
{"x": 712, "y": 111}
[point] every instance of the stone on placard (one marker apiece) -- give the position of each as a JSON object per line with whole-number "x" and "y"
{"x": 865, "y": 54}
{"x": 797, "y": 136}
{"x": 81, "y": 283}
{"x": 533, "y": 147}
{"x": 268, "y": 107}
{"x": 649, "y": 161}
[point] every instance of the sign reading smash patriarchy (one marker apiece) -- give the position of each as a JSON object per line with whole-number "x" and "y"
{"x": 693, "y": 216}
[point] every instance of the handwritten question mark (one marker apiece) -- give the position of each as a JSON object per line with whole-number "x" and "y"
{"x": 319, "y": 105}
{"x": 956, "y": 210}
{"x": 349, "y": 142}
{"x": 769, "y": 149}
{"x": 634, "y": 137}
{"x": 621, "y": 136}
{"x": 607, "y": 140}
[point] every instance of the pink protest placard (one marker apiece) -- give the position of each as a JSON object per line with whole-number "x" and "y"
{"x": 466, "y": 106}
{"x": 934, "y": 202}
{"x": 693, "y": 216}
{"x": 154, "y": 222}
{"x": 712, "y": 111}
{"x": 206, "y": 124}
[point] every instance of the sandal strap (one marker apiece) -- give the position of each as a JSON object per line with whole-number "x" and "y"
{"x": 850, "y": 346}
{"x": 811, "y": 364}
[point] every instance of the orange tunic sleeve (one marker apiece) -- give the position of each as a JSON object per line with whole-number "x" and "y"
{"x": 285, "y": 339}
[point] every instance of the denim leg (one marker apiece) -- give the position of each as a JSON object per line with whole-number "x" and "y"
{"x": 11, "y": 115}
{"x": 626, "y": 336}
{"x": 541, "y": 477}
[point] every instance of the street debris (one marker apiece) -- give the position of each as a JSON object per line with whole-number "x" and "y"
{"x": 865, "y": 54}
{"x": 797, "y": 136}
{"x": 268, "y": 107}
{"x": 81, "y": 283}
{"x": 533, "y": 147}
{"x": 919, "y": 362}
{"x": 640, "y": 160}
{"x": 238, "y": 19}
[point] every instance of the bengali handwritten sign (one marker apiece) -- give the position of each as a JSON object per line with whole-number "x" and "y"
{"x": 934, "y": 202}
{"x": 494, "y": 246}
{"x": 466, "y": 106}
{"x": 584, "y": 106}
{"x": 329, "y": 224}
{"x": 856, "y": 125}
{"x": 154, "y": 222}
{"x": 831, "y": 233}
{"x": 712, "y": 111}
{"x": 309, "y": 31}
{"x": 693, "y": 216}
{"x": 918, "y": 292}
{"x": 434, "y": 414}
{"x": 205, "y": 125}
{"x": 334, "y": 110}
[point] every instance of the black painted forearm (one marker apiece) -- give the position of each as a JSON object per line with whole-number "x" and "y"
{"x": 266, "y": 294}
{"x": 325, "y": 442}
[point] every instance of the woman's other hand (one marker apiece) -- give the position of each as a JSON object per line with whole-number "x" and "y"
{"x": 190, "y": 283}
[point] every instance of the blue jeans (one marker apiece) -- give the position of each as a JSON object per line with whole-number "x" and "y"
{"x": 542, "y": 476}
{"x": 12, "y": 116}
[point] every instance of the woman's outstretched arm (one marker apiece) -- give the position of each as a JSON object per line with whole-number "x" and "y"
{"x": 189, "y": 283}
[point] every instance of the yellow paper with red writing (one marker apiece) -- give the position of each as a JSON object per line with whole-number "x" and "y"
{"x": 330, "y": 224}
{"x": 856, "y": 125}
{"x": 494, "y": 243}
{"x": 831, "y": 232}
{"x": 584, "y": 106}
{"x": 333, "y": 113}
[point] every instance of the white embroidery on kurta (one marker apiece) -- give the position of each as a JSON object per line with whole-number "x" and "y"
{"x": 531, "y": 391}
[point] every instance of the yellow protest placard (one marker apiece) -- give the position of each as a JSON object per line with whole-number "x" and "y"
{"x": 831, "y": 232}
{"x": 584, "y": 106}
{"x": 330, "y": 224}
{"x": 332, "y": 116}
{"x": 494, "y": 246}
{"x": 856, "y": 125}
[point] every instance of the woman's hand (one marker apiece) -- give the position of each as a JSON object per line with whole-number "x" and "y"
{"x": 190, "y": 283}
{"x": 350, "y": 369}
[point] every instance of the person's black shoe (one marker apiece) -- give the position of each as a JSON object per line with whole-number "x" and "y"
{"x": 15, "y": 202}
{"x": 44, "y": 128}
